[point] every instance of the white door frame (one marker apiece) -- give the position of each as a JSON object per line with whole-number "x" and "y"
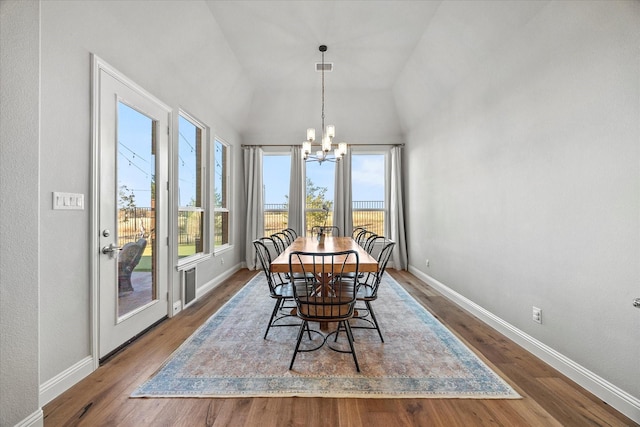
{"x": 97, "y": 66}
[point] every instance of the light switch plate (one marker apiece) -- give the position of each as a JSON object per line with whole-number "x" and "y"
{"x": 69, "y": 201}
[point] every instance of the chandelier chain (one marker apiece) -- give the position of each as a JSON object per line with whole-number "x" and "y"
{"x": 323, "y": 94}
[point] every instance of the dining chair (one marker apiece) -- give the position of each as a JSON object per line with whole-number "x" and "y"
{"x": 362, "y": 237}
{"x": 318, "y": 298}
{"x": 279, "y": 290}
{"x": 330, "y": 230}
{"x": 356, "y": 231}
{"x": 374, "y": 241}
{"x": 285, "y": 237}
{"x": 368, "y": 291}
{"x": 291, "y": 232}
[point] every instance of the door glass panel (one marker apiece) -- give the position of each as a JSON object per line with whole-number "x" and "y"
{"x": 136, "y": 171}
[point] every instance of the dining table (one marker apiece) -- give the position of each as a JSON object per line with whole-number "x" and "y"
{"x": 366, "y": 263}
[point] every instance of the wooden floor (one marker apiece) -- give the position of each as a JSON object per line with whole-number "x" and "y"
{"x": 550, "y": 399}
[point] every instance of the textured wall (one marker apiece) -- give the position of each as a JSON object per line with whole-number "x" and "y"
{"x": 525, "y": 179}
{"x": 19, "y": 248}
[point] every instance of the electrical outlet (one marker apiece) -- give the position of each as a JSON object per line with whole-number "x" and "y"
{"x": 221, "y": 261}
{"x": 427, "y": 262}
{"x": 537, "y": 315}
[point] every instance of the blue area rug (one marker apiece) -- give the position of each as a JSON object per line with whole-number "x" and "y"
{"x": 228, "y": 357}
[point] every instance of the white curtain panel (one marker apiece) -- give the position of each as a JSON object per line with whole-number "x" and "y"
{"x": 255, "y": 202}
{"x": 342, "y": 205}
{"x": 297, "y": 192}
{"x": 396, "y": 211}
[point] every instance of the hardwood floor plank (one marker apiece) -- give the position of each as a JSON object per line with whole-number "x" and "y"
{"x": 549, "y": 398}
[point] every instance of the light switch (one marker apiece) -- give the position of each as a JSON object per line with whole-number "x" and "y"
{"x": 68, "y": 201}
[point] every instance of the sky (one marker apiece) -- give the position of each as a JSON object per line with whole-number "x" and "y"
{"x": 136, "y": 163}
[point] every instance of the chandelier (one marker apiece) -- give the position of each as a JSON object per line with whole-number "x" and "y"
{"x": 328, "y": 133}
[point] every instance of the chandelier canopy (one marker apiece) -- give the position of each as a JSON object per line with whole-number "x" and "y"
{"x": 328, "y": 133}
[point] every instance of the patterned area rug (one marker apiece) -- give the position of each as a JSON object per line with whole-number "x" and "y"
{"x": 228, "y": 357}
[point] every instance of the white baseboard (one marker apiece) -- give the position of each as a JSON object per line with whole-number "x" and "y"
{"x": 65, "y": 379}
{"x": 34, "y": 420}
{"x": 212, "y": 284}
{"x": 612, "y": 395}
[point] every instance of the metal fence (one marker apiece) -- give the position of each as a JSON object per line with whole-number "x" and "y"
{"x": 368, "y": 214}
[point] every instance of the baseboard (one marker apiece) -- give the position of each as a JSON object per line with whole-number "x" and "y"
{"x": 65, "y": 380}
{"x": 603, "y": 389}
{"x": 34, "y": 420}
{"x": 212, "y": 284}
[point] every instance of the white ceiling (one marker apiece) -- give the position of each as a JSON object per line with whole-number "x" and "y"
{"x": 429, "y": 45}
{"x": 368, "y": 42}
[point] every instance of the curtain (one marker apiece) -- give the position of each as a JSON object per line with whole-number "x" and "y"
{"x": 342, "y": 205}
{"x": 396, "y": 211}
{"x": 297, "y": 192}
{"x": 255, "y": 202}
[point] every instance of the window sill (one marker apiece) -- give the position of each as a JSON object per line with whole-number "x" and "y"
{"x": 188, "y": 262}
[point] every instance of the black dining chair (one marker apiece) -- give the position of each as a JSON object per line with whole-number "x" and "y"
{"x": 368, "y": 291}
{"x": 285, "y": 237}
{"x": 324, "y": 295}
{"x": 291, "y": 232}
{"x": 279, "y": 290}
{"x": 328, "y": 230}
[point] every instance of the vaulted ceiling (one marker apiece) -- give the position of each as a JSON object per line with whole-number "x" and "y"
{"x": 391, "y": 59}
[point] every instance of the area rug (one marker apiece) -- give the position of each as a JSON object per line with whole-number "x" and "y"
{"x": 420, "y": 358}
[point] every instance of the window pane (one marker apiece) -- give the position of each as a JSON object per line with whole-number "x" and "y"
{"x": 220, "y": 194}
{"x": 191, "y": 212}
{"x": 275, "y": 181}
{"x": 136, "y": 173}
{"x": 220, "y": 182}
{"x": 319, "y": 188}
{"x": 367, "y": 191}
{"x": 190, "y": 232}
{"x": 189, "y": 164}
{"x": 221, "y": 228}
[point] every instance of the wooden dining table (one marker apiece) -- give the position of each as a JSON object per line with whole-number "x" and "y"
{"x": 366, "y": 262}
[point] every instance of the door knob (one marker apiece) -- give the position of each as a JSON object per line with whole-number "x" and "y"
{"x": 636, "y": 302}
{"x": 110, "y": 249}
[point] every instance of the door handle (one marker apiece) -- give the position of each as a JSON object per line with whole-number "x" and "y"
{"x": 110, "y": 249}
{"x": 636, "y": 302}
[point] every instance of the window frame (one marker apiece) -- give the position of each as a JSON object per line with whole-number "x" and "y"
{"x": 264, "y": 210}
{"x": 386, "y": 195}
{"x": 205, "y": 160}
{"x": 226, "y": 164}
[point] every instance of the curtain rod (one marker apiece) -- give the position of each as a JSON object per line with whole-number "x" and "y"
{"x": 294, "y": 145}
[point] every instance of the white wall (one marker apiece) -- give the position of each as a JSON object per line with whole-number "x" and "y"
{"x": 19, "y": 248}
{"x": 524, "y": 182}
{"x": 360, "y": 116}
{"x": 174, "y": 50}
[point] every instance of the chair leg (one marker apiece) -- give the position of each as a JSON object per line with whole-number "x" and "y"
{"x": 273, "y": 315}
{"x": 347, "y": 328}
{"x": 300, "y": 332}
{"x": 373, "y": 317}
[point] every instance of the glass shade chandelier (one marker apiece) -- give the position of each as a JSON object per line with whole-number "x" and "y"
{"x": 328, "y": 133}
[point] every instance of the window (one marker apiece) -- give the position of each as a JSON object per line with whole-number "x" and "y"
{"x": 367, "y": 191}
{"x": 192, "y": 232}
{"x": 275, "y": 182}
{"x": 319, "y": 194}
{"x": 221, "y": 195}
